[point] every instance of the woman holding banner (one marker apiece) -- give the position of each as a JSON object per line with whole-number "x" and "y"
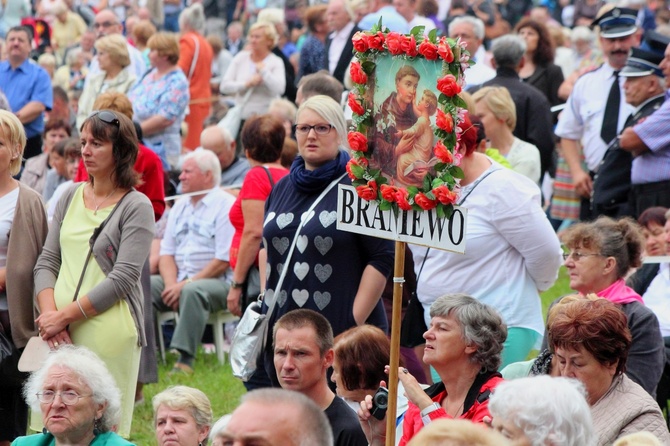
{"x": 510, "y": 248}
{"x": 336, "y": 273}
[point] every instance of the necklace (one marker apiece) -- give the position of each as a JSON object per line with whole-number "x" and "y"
{"x": 97, "y": 206}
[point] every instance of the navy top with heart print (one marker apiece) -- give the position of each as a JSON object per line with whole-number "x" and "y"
{"x": 326, "y": 266}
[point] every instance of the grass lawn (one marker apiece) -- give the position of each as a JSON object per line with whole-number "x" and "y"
{"x": 224, "y": 390}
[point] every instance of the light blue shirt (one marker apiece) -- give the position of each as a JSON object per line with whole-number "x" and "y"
{"x": 390, "y": 19}
{"x": 654, "y": 166}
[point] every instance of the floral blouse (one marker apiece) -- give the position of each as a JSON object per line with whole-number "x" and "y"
{"x": 166, "y": 96}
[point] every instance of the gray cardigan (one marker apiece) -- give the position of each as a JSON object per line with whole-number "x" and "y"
{"x": 120, "y": 250}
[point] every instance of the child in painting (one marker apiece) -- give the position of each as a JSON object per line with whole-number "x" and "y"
{"x": 416, "y": 144}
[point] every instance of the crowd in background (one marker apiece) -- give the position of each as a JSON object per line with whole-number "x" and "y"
{"x": 201, "y": 143}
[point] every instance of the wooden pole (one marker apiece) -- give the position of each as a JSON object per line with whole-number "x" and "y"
{"x": 398, "y": 283}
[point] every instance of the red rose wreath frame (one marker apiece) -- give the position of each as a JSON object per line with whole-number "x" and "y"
{"x": 440, "y": 191}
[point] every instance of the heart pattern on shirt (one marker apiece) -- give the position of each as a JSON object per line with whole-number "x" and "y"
{"x": 323, "y": 244}
{"x": 301, "y": 269}
{"x": 280, "y": 268}
{"x": 305, "y": 217}
{"x": 281, "y": 299}
{"x": 302, "y": 243}
{"x": 283, "y": 220}
{"x": 300, "y": 297}
{"x": 321, "y": 299}
{"x": 280, "y": 244}
{"x": 323, "y": 272}
{"x": 327, "y": 218}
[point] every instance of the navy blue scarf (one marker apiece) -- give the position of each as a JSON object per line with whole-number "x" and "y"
{"x": 314, "y": 181}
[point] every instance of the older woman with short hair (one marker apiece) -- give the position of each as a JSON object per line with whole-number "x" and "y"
{"x": 591, "y": 341}
{"x": 256, "y": 72}
{"x": 541, "y": 411}
{"x": 495, "y": 107}
{"x": 463, "y": 344}
{"x": 115, "y": 74}
{"x": 160, "y": 99}
{"x": 182, "y": 416}
{"x": 78, "y": 399}
{"x": 601, "y": 254}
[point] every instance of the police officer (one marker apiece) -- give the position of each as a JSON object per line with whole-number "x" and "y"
{"x": 595, "y": 111}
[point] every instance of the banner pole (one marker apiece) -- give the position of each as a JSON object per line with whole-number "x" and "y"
{"x": 398, "y": 284}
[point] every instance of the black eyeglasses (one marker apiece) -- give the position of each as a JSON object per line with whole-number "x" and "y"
{"x": 107, "y": 117}
{"x": 320, "y": 129}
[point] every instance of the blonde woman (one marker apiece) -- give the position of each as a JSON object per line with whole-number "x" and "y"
{"x": 23, "y": 228}
{"x": 115, "y": 75}
{"x": 496, "y": 109}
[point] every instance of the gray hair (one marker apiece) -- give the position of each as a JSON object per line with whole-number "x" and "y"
{"x": 477, "y": 25}
{"x": 193, "y": 17}
{"x": 90, "y": 370}
{"x": 219, "y": 426}
{"x": 207, "y": 161}
{"x": 186, "y": 398}
{"x": 329, "y": 110}
{"x": 508, "y": 50}
{"x": 315, "y": 427}
{"x": 284, "y": 107}
{"x": 582, "y": 33}
{"x": 72, "y": 56}
{"x": 481, "y": 325}
{"x": 548, "y": 410}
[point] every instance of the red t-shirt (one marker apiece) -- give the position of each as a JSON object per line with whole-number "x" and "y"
{"x": 149, "y": 166}
{"x": 256, "y": 186}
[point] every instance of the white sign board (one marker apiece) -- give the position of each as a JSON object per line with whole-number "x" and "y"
{"x": 421, "y": 228}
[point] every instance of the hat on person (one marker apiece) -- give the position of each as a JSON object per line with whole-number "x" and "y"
{"x": 642, "y": 63}
{"x": 655, "y": 42}
{"x": 617, "y": 22}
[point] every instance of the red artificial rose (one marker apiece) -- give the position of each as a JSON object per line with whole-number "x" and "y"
{"x": 424, "y": 202}
{"x": 376, "y": 41}
{"x": 444, "y": 195}
{"x": 401, "y": 197}
{"x": 448, "y": 85}
{"x": 360, "y": 41}
{"x": 428, "y": 50}
{"x": 443, "y": 153}
{"x": 357, "y": 141}
{"x": 444, "y": 50}
{"x": 409, "y": 46}
{"x": 394, "y": 43}
{"x": 357, "y": 73}
{"x": 355, "y": 169}
{"x": 444, "y": 121}
{"x": 355, "y": 106}
{"x": 388, "y": 192}
{"x": 369, "y": 191}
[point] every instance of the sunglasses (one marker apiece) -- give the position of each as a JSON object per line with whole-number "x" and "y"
{"x": 107, "y": 117}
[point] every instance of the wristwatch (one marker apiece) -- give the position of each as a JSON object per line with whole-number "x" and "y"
{"x": 234, "y": 284}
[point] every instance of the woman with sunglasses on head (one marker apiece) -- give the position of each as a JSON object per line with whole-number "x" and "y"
{"x": 95, "y": 299}
{"x": 601, "y": 254}
{"x": 336, "y": 273}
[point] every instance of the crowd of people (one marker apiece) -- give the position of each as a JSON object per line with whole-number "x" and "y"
{"x": 184, "y": 156}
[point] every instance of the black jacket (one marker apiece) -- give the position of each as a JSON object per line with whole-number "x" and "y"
{"x": 345, "y": 57}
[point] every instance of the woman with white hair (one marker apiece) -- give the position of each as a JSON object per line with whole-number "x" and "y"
{"x": 78, "y": 399}
{"x": 336, "y": 273}
{"x": 542, "y": 410}
{"x": 255, "y": 76}
{"x": 195, "y": 60}
{"x": 114, "y": 75}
